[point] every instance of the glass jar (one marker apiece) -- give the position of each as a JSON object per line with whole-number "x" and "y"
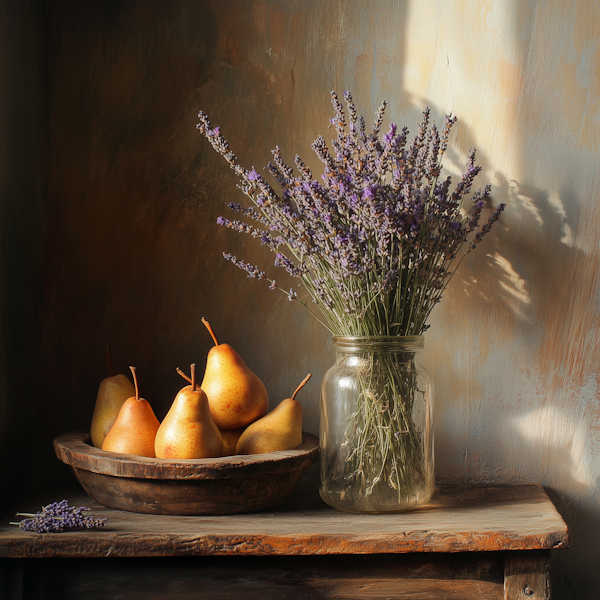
{"x": 376, "y": 432}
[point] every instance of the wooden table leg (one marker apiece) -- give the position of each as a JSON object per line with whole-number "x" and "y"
{"x": 526, "y": 575}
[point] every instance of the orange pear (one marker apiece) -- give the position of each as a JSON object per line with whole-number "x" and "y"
{"x": 236, "y": 395}
{"x": 188, "y": 430}
{"x": 112, "y": 393}
{"x": 135, "y": 428}
{"x": 281, "y": 429}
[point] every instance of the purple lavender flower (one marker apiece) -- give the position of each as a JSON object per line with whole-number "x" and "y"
{"x": 57, "y": 517}
{"x": 375, "y": 235}
{"x": 252, "y": 270}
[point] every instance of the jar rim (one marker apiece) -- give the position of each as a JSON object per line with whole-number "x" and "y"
{"x": 391, "y": 342}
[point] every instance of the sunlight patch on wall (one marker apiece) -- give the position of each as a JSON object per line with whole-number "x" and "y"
{"x": 559, "y": 433}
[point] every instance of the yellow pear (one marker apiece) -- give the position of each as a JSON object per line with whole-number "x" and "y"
{"x": 236, "y": 395}
{"x": 230, "y": 439}
{"x": 135, "y": 429}
{"x": 188, "y": 430}
{"x": 112, "y": 393}
{"x": 281, "y": 429}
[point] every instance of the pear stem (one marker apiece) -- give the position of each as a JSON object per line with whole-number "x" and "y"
{"x": 183, "y": 374}
{"x": 210, "y": 330}
{"x": 304, "y": 381}
{"x": 193, "y": 370}
{"x": 109, "y": 361}
{"x": 137, "y": 394}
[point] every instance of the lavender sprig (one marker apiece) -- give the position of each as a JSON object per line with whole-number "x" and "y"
{"x": 57, "y": 517}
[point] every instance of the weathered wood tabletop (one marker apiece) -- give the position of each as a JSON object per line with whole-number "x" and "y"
{"x": 478, "y": 526}
{"x": 458, "y": 519}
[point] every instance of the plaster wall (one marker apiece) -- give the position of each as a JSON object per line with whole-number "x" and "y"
{"x": 133, "y": 252}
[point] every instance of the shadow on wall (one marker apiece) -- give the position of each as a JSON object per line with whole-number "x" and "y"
{"x": 22, "y": 178}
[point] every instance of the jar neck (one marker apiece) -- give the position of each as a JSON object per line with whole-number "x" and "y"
{"x": 379, "y": 344}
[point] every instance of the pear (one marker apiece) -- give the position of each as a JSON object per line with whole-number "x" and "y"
{"x": 281, "y": 429}
{"x": 112, "y": 393}
{"x": 230, "y": 439}
{"x": 135, "y": 429}
{"x": 188, "y": 430}
{"x": 236, "y": 395}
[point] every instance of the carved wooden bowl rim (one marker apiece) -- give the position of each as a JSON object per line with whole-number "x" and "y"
{"x": 75, "y": 450}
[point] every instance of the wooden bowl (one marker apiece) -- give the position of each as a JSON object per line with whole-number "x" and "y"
{"x": 209, "y": 486}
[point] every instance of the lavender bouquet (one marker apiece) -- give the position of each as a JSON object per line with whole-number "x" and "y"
{"x": 374, "y": 245}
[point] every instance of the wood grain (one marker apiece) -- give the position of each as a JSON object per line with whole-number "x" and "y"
{"x": 459, "y": 519}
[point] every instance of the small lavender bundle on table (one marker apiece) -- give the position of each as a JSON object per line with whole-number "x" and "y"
{"x": 57, "y": 517}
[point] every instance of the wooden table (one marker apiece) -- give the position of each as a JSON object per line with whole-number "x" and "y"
{"x": 470, "y": 542}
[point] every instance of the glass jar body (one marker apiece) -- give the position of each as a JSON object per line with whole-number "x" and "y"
{"x": 376, "y": 432}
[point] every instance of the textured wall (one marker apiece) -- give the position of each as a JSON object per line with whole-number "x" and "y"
{"x": 22, "y": 145}
{"x": 514, "y": 345}
{"x": 133, "y": 254}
